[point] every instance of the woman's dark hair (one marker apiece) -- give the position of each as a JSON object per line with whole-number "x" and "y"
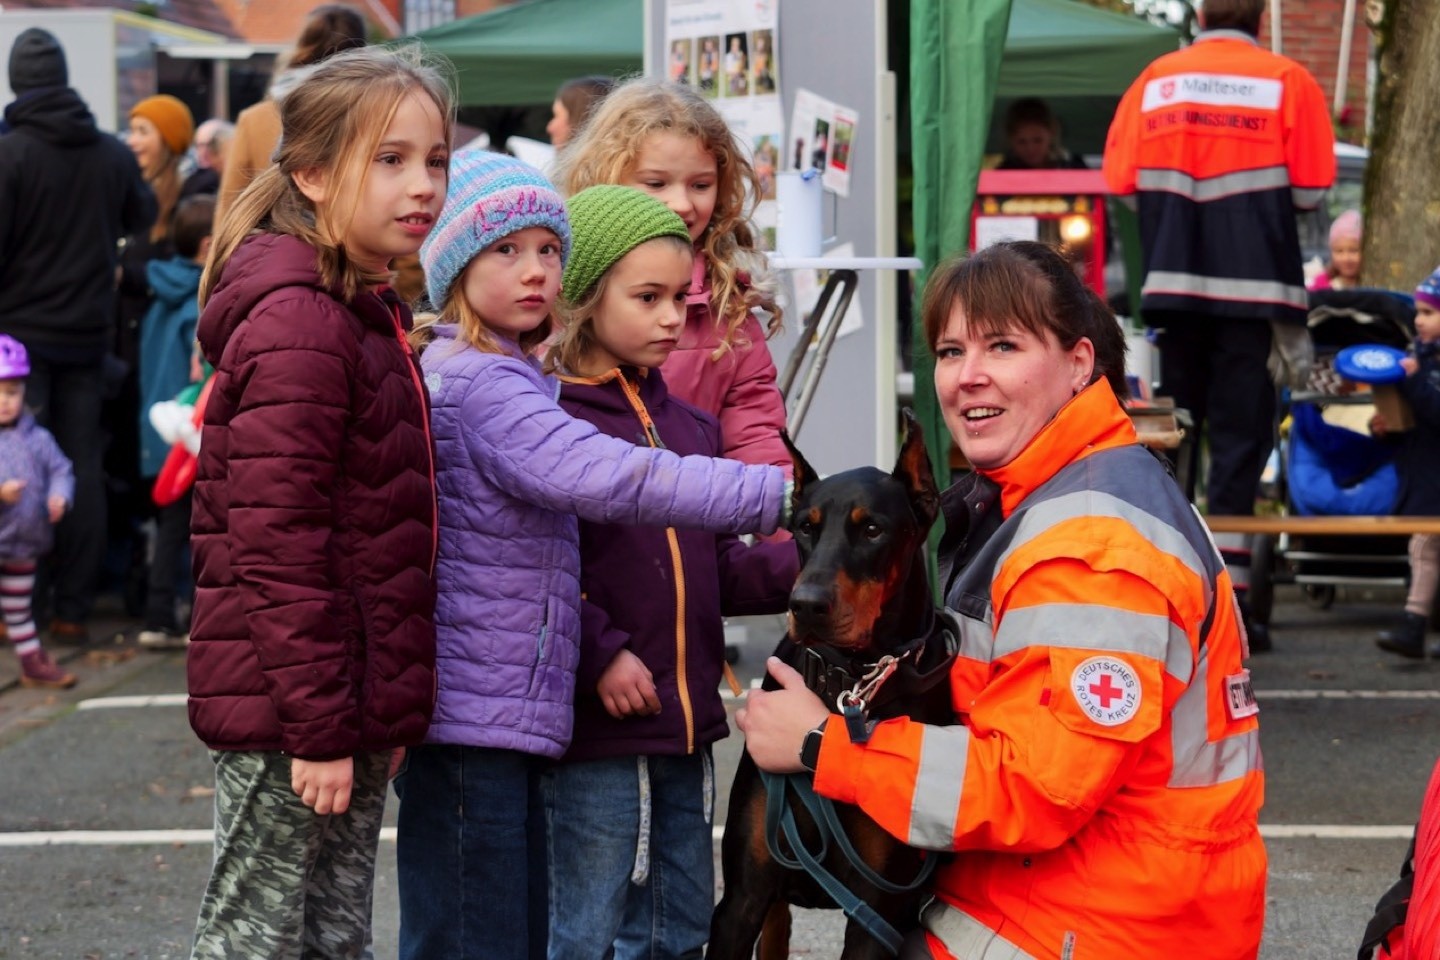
{"x": 328, "y": 30}
{"x": 579, "y": 97}
{"x": 1243, "y": 15}
{"x": 1032, "y": 286}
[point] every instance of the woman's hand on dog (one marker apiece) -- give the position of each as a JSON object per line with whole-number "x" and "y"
{"x": 775, "y": 721}
{"x": 627, "y": 688}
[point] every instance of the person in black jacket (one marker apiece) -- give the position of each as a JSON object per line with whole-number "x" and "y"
{"x": 68, "y": 193}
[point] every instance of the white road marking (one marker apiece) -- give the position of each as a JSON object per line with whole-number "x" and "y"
{"x": 153, "y": 700}
{"x": 178, "y": 699}
{"x": 179, "y": 838}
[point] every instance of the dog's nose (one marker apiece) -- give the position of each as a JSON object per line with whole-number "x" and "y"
{"x": 811, "y": 602}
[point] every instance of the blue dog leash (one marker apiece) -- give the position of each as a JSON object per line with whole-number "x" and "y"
{"x": 780, "y": 820}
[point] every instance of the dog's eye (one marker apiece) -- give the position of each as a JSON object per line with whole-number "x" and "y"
{"x": 805, "y": 527}
{"x": 872, "y": 531}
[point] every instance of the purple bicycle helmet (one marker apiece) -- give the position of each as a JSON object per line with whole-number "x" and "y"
{"x": 14, "y": 362}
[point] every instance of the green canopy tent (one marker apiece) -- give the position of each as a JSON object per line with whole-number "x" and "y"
{"x": 520, "y": 54}
{"x": 1079, "y": 58}
{"x": 968, "y": 58}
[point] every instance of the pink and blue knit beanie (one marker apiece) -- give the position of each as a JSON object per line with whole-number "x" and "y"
{"x": 491, "y": 196}
{"x": 1429, "y": 290}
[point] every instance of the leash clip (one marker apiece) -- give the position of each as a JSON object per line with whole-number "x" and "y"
{"x": 854, "y": 703}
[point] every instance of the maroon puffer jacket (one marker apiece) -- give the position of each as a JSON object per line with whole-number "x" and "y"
{"x": 314, "y": 518}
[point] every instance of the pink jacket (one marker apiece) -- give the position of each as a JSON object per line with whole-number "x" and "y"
{"x": 738, "y": 389}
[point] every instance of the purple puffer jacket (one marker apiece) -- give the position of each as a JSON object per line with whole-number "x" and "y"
{"x": 513, "y": 472}
{"x": 28, "y": 452}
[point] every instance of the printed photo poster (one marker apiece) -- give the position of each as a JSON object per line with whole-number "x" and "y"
{"x": 727, "y": 50}
{"x": 822, "y": 135}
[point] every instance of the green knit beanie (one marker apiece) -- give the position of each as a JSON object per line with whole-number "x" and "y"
{"x": 607, "y": 222}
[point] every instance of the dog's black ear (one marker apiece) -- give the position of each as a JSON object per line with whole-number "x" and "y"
{"x": 914, "y": 471}
{"x": 804, "y": 474}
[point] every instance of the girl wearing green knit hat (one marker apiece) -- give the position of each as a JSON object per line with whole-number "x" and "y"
{"x": 630, "y": 803}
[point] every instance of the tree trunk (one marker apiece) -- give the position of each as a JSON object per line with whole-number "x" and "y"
{"x": 1402, "y": 179}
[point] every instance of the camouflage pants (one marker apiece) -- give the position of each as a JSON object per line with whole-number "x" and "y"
{"x": 287, "y": 883}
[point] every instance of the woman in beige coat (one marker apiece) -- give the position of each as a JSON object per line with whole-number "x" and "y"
{"x": 328, "y": 30}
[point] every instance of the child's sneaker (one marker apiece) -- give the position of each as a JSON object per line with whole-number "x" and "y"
{"x": 38, "y": 670}
{"x": 162, "y": 639}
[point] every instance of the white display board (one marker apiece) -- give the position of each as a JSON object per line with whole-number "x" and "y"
{"x": 836, "y": 48}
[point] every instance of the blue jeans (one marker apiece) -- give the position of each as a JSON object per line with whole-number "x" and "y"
{"x": 613, "y": 884}
{"x": 470, "y": 854}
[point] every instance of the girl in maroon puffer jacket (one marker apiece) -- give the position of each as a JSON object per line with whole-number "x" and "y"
{"x": 312, "y": 655}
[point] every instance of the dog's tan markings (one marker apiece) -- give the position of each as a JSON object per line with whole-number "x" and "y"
{"x": 755, "y": 813}
{"x": 858, "y": 515}
{"x": 863, "y": 599}
{"x": 814, "y": 515}
{"x": 775, "y": 934}
{"x": 874, "y": 845}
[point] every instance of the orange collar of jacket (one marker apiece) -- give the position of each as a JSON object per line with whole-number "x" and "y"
{"x": 1092, "y": 420}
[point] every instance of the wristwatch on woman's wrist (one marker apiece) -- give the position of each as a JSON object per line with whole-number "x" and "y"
{"x": 810, "y": 747}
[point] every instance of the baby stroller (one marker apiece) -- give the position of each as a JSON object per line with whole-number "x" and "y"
{"x": 1331, "y": 466}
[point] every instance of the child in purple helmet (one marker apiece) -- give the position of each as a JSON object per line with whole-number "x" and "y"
{"x": 36, "y": 488}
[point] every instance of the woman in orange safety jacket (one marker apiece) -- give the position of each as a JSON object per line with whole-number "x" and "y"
{"x": 1102, "y": 782}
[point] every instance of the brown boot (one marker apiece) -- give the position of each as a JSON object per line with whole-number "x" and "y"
{"x": 38, "y": 670}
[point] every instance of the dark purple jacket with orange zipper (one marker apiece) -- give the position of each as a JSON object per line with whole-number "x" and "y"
{"x": 314, "y": 524}
{"x": 660, "y": 592}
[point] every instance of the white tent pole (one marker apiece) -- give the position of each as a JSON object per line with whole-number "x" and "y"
{"x": 1275, "y": 45}
{"x": 1342, "y": 72}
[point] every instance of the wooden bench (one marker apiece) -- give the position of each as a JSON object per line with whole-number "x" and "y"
{"x": 1324, "y": 526}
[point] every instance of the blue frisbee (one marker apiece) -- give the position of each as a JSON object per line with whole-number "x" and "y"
{"x": 1370, "y": 363}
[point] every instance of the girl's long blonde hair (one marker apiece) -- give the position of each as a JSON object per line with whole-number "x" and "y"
{"x": 333, "y": 122}
{"x": 471, "y": 329}
{"x": 608, "y": 148}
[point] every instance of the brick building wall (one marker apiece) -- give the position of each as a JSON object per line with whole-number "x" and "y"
{"x": 1310, "y": 34}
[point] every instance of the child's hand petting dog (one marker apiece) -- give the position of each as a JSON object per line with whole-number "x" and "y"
{"x": 627, "y": 688}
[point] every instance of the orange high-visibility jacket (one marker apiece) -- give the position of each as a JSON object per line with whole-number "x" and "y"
{"x": 1219, "y": 144}
{"x": 1103, "y": 784}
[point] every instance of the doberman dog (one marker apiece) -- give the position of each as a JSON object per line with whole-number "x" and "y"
{"x": 863, "y": 592}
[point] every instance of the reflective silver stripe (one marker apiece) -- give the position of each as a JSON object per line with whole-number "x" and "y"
{"x": 1224, "y": 288}
{"x": 944, "y": 754}
{"x": 1235, "y": 552}
{"x": 968, "y": 938}
{"x": 1094, "y": 626}
{"x": 1091, "y": 503}
{"x": 1306, "y": 198}
{"x": 1213, "y": 188}
{"x": 977, "y": 639}
{"x": 1198, "y": 762}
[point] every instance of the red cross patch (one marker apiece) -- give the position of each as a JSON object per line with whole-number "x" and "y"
{"x": 1107, "y": 689}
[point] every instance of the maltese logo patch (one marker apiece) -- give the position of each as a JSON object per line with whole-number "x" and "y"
{"x": 1107, "y": 689}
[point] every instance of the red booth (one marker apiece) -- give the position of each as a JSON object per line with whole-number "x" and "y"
{"x": 1062, "y": 207}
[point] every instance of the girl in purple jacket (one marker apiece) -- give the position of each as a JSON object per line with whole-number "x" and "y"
{"x": 630, "y": 806}
{"x": 37, "y": 485}
{"x": 514, "y": 471}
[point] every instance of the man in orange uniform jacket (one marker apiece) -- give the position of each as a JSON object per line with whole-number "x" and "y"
{"x": 1218, "y": 145}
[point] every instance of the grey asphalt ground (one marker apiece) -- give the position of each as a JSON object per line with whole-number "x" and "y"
{"x": 70, "y": 763}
